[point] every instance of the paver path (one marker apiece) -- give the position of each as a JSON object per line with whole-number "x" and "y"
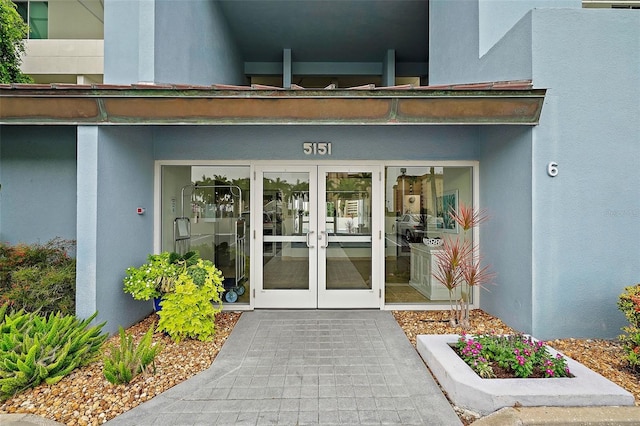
{"x": 306, "y": 368}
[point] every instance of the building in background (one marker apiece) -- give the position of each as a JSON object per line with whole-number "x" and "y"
{"x": 66, "y": 40}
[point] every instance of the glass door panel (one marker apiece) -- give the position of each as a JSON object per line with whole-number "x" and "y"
{"x": 345, "y": 256}
{"x": 348, "y": 225}
{"x": 206, "y": 209}
{"x": 317, "y": 238}
{"x": 288, "y": 267}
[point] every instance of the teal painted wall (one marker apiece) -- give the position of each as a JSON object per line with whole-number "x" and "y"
{"x": 586, "y": 221}
{"x": 454, "y": 38}
{"x": 115, "y": 177}
{"x": 129, "y": 43}
{"x": 571, "y": 243}
{"x": 38, "y": 175}
{"x": 563, "y": 247}
{"x": 496, "y": 18}
{"x": 199, "y": 49}
{"x": 348, "y": 142}
{"x": 506, "y": 238}
{"x": 169, "y": 41}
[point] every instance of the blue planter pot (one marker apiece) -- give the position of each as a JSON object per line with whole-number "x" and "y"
{"x": 157, "y": 302}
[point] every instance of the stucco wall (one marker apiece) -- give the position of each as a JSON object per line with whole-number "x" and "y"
{"x": 497, "y": 17}
{"x": 571, "y": 243}
{"x": 38, "y": 175}
{"x": 348, "y": 142}
{"x": 129, "y": 28}
{"x": 587, "y": 219}
{"x": 202, "y": 51}
{"x": 454, "y": 53}
{"x": 115, "y": 177}
{"x": 505, "y": 193}
{"x": 172, "y": 41}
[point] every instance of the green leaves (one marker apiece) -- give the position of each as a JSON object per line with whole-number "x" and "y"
{"x": 161, "y": 272}
{"x": 13, "y": 31}
{"x": 189, "y": 286}
{"x": 34, "y": 348}
{"x": 629, "y": 304}
{"x": 127, "y": 360}
{"x": 152, "y": 278}
{"x": 517, "y": 354}
{"x": 39, "y": 277}
{"x": 189, "y": 311}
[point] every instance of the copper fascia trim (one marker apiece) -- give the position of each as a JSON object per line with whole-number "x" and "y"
{"x": 159, "y": 105}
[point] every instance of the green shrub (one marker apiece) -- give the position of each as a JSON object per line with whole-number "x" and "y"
{"x": 127, "y": 360}
{"x": 153, "y": 278}
{"x": 189, "y": 310}
{"x": 36, "y": 348}
{"x": 39, "y": 277}
{"x": 189, "y": 288}
{"x": 629, "y": 304}
{"x": 47, "y": 289}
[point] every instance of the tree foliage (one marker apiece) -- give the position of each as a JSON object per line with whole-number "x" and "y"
{"x": 13, "y": 30}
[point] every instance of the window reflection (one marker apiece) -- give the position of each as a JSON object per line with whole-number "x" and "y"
{"x": 417, "y": 202}
{"x": 206, "y": 209}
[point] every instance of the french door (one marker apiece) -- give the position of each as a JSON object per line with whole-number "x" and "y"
{"x": 316, "y": 237}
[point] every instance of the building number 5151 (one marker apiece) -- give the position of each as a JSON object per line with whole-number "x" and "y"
{"x": 316, "y": 148}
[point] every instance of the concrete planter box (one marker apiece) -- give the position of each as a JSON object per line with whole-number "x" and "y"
{"x": 467, "y": 390}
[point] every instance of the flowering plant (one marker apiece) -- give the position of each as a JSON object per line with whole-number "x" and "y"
{"x": 158, "y": 275}
{"x": 190, "y": 288}
{"x": 515, "y": 355}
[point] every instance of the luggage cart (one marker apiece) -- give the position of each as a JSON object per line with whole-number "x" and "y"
{"x": 227, "y": 236}
{"x": 235, "y": 287}
{"x": 181, "y": 235}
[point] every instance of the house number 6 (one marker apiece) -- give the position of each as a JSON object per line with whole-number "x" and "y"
{"x": 552, "y": 169}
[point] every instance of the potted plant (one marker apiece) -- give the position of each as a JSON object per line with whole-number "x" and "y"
{"x": 152, "y": 279}
{"x": 189, "y": 290}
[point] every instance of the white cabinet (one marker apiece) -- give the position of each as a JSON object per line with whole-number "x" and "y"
{"x": 424, "y": 262}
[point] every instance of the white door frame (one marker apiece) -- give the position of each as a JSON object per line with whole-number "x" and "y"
{"x": 317, "y": 296}
{"x": 351, "y": 298}
{"x": 298, "y": 298}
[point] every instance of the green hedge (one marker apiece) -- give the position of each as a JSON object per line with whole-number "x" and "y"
{"x": 39, "y": 277}
{"x": 629, "y": 304}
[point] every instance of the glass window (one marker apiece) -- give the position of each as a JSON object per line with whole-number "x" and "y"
{"x": 418, "y": 200}
{"x": 206, "y": 208}
{"x": 36, "y": 15}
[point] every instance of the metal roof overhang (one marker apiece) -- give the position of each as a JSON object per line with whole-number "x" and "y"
{"x": 158, "y": 105}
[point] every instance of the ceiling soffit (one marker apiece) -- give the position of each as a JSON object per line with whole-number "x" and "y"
{"x": 329, "y": 30}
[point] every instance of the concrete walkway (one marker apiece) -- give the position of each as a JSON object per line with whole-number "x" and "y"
{"x": 306, "y": 368}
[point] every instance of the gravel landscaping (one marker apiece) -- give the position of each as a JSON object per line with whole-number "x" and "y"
{"x": 86, "y": 398}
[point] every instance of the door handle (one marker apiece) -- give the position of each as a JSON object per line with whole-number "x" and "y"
{"x": 323, "y": 234}
{"x": 308, "y": 242}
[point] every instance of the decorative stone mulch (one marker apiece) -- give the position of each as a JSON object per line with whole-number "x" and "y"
{"x": 86, "y": 398}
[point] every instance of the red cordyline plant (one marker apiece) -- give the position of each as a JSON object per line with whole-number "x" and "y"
{"x": 458, "y": 263}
